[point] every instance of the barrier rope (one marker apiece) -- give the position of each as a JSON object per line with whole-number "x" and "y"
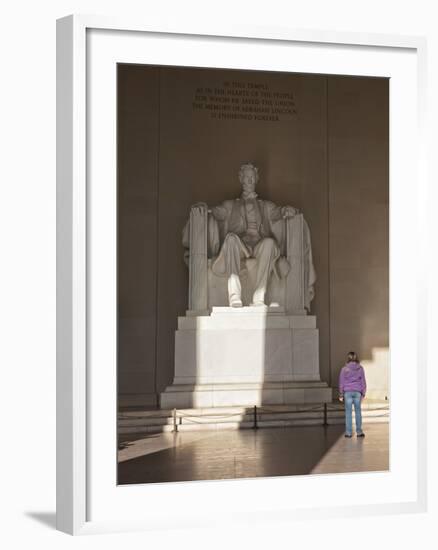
{"x": 191, "y": 421}
{"x": 183, "y": 415}
{"x": 274, "y": 411}
{"x": 249, "y": 411}
{"x": 253, "y": 414}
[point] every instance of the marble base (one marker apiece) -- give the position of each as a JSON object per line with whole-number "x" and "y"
{"x": 246, "y": 356}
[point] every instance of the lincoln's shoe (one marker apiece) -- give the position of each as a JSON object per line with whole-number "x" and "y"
{"x": 235, "y": 302}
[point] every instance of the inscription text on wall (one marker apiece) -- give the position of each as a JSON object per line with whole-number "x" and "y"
{"x": 236, "y": 100}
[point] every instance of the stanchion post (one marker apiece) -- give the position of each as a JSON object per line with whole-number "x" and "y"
{"x": 325, "y": 415}
{"x": 175, "y": 425}
{"x": 255, "y": 417}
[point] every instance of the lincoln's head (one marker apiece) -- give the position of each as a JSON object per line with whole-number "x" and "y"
{"x": 248, "y": 177}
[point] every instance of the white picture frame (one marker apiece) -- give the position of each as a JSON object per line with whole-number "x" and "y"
{"x": 87, "y": 501}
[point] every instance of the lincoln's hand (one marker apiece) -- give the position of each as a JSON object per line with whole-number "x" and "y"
{"x": 200, "y": 207}
{"x": 289, "y": 211}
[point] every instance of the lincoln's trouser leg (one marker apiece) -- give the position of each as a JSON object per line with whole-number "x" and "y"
{"x": 234, "y": 290}
{"x": 266, "y": 252}
{"x": 233, "y": 252}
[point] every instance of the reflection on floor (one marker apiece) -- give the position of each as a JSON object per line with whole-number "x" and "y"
{"x": 270, "y": 452}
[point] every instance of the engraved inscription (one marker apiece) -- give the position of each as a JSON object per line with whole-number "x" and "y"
{"x": 236, "y": 100}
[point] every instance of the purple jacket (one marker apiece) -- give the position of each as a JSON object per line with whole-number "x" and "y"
{"x": 352, "y": 378}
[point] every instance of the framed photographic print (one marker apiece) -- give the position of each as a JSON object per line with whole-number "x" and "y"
{"x": 240, "y": 251}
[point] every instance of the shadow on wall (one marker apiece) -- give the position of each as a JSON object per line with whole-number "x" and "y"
{"x": 377, "y": 374}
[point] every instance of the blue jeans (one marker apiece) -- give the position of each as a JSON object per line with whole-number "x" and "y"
{"x": 352, "y": 398}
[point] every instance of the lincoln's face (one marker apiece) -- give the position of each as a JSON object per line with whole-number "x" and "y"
{"x": 248, "y": 179}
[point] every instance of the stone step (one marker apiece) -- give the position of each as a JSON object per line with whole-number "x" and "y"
{"x": 157, "y": 421}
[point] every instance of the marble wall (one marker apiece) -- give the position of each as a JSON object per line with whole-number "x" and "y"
{"x": 138, "y": 152}
{"x": 330, "y": 159}
{"x": 358, "y": 178}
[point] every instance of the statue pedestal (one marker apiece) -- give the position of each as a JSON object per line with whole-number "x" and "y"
{"x": 246, "y": 356}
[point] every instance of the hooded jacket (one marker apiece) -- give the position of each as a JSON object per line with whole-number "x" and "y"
{"x": 352, "y": 378}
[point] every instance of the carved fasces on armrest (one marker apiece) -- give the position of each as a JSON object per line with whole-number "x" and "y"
{"x": 198, "y": 257}
{"x": 213, "y": 233}
{"x": 301, "y": 278}
{"x": 213, "y": 238}
{"x": 198, "y": 230}
{"x": 309, "y": 269}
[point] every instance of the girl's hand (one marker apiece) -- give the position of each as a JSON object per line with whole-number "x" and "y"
{"x": 341, "y": 399}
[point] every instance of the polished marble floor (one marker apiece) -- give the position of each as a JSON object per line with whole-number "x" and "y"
{"x": 268, "y": 452}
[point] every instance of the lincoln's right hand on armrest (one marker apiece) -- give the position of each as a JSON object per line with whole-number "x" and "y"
{"x": 200, "y": 206}
{"x": 218, "y": 212}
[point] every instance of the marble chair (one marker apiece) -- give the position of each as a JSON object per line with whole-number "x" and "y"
{"x": 292, "y": 293}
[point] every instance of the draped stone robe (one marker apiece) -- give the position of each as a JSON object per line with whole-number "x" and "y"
{"x": 230, "y": 218}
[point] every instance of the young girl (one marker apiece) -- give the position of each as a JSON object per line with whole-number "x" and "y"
{"x": 352, "y": 389}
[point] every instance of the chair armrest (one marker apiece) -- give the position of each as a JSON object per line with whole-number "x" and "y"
{"x": 301, "y": 278}
{"x": 198, "y": 259}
